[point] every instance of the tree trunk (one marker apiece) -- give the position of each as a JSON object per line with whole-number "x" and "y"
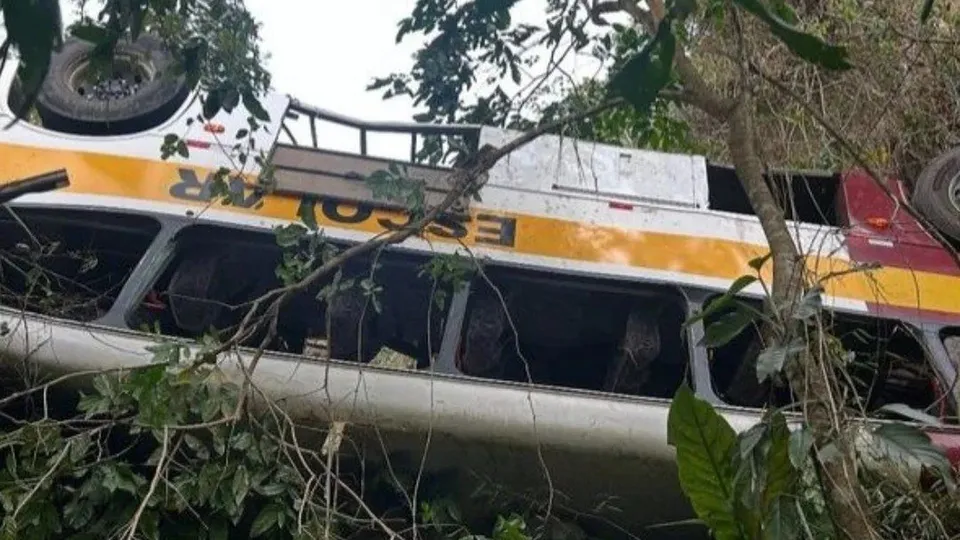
{"x": 810, "y": 377}
{"x": 811, "y": 380}
{"x": 746, "y": 161}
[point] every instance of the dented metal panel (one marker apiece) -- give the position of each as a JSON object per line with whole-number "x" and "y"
{"x": 556, "y": 163}
{"x": 335, "y": 175}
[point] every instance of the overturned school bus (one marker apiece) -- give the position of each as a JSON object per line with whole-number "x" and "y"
{"x": 565, "y": 349}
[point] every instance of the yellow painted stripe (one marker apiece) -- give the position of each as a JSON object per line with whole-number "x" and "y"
{"x": 144, "y": 179}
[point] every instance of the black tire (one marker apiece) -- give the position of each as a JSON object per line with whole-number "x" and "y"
{"x": 64, "y": 103}
{"x": 936, "y": 193}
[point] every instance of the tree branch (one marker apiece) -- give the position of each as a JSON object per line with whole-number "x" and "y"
{"x": 463, "y": 180}
{"x": 596, "y": 9}
{"x": 710, "y": 101}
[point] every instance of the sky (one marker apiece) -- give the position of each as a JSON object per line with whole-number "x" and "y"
{"x": 326, "y": 52}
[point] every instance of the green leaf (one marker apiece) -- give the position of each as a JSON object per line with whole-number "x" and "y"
{"x": 911, "y": 413}
{"x": 289, "y": 235}
{"x": 213, "y": 103}
{"x": 727, "y": 327}
{"x": 209, "y": 410}
{"x": 34, "y": 30}
{"x": 925, "y": 11}
{"x": 771, "y": 360}
{"x": 806, "y": 46}
{"x": 512, "y": 528}
{"x": 265, "y": 520}
{"x": 723, "y": 300}
{"x": 642, "y": 77}
{"x": 192, "y": 60}
{"x": 810, "y": 305}
{"x": 307, "y": 212}
{"x": 801, "y": 441}
{"x": 784, "y": 11}
{"x": 242, "y": 442}
{"x": 907, "y": 447}
{"x": 88, "y": 31}
{"x": 781, "y": 521}
{"x": 164, "y": 353}
{"x": 231, "y": 98}
{"x": 198, "y": 446}
{"x": 780, "y": 473}
{"x": 704, "y": 442}
{"x": 749, "y": 439}
{"x": 252, "y": 104}
{"x": 758, "y": 262}
{"x": 136, "y": 19}
{"x": 149, "y": 524}
{"x": 241, "y": 485}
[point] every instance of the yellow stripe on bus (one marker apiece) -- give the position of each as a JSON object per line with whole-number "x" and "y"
{"x": 145, "y": 179}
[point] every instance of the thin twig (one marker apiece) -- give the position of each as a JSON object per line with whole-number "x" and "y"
{"x": 46, "y": 476}
{"x": 132, "y": 527}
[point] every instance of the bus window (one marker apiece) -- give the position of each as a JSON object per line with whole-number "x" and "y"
{"x": 217, "y": 273}
{"x": 530, "y": 327}
{"x": 885, "y": 364}
{"x": 889, "y": 365}
{"x": 69, "y": 263}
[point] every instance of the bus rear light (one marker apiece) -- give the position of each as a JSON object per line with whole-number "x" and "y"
{"x": 213, "y": 127}
{"x": 878, "y": 222}
{"x": 620, "y": 206}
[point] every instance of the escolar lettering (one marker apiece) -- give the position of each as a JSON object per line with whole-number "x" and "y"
{"x": 490, "y": 229}
{"x": 487, "y": 228}
{"x": 496, "y": 230}
{"x": 192, "y": 189}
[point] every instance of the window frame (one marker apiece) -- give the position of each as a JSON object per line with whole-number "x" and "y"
{"x": 163, "y": 252}
{"x": 926, "y": 334}
{"x": 110, "y": 317}
{"x": 611, "y": 284}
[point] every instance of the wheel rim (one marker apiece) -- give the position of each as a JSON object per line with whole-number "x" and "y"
{"x": 124, "y": 78}
{"x": 953, "y": 192}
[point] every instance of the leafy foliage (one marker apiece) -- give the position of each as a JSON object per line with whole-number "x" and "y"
{"x": 659, "y": 127}
{"x": 757, "y": 484}
{"x": 904, "y": 448}
{"x": 443, "y": 69}
{"x": 160, "y": 421}
{"x": 805, "y": 45}
{"x": 742, "y": 486}
{"x": 395, "y": 184}
{"x": 651, "y": 67}
{"x": 166, "y": 451}
{"x": 705, "y": 443}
